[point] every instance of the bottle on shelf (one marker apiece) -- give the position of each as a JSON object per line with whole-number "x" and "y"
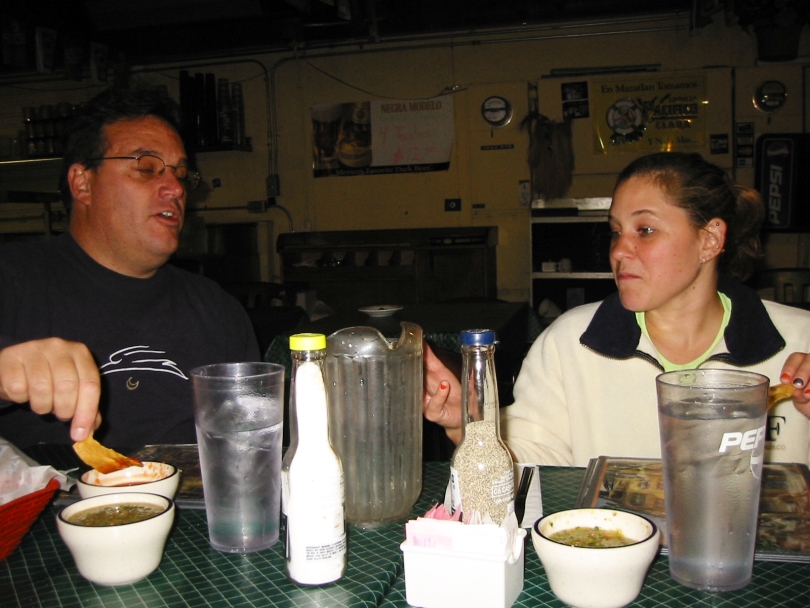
{"x": 211, "y": 118}
{"x": 312, "y": 496}
{"x": 238, "y": 104}
{"x": 188, "y": 107}
{"x": 482, "y": 473}
{"x": 200, "y": 127}
{"x": 224, "y": 112}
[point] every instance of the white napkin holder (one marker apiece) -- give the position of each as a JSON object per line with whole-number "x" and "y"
{"x": 437, "y": 578}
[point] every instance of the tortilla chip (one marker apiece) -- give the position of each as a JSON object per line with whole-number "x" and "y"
{"x": 103, "y": 460}
{"x": 779, "y": 392}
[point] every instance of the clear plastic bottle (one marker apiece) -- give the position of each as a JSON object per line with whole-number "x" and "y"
{"x": 311, "y": 474}
{"x": 482, "y": 474}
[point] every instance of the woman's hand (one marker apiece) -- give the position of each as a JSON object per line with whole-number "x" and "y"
{"x": 441, "y": 401}
{"x": 796, "y": 371}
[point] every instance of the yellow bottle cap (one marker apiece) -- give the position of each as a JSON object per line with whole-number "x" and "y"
{"x": 307, "y": 342}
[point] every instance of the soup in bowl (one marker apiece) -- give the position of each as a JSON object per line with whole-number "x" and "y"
{"x": 595, "y": 558}
{"x": 117, "y": 539}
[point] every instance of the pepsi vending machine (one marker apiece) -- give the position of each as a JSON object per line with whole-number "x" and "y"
{"x": 783, "y": 180}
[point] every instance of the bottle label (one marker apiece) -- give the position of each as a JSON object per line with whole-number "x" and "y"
{"x": 316, "y": 548}
{"x": 455, "y": 492}
{"x": 284, "y": 529}
{"x": 316, "y": 531}
{"x": 316, "y": 553}
{"x": 284, "y": 532}
{"x": 354, "y": 156}
{"x": 503, "y": 489}
{"x": 285, "y": 490}
{"x": 490, "y": 406}
{"x": 361, "y": 113}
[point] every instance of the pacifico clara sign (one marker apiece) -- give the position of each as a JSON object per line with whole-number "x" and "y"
{"x": 649, "y": 112}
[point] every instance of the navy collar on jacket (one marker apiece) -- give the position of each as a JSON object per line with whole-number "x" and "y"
{"x": 751, "y": 336}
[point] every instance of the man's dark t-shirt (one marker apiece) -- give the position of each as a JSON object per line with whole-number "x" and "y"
{"x": 145, "y": 334}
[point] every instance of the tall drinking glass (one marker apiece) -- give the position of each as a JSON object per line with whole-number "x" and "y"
{"x": 712, "y": 425}
{"x": 238, "y": 410}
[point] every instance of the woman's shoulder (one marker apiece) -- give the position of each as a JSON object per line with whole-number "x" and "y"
{"x": 783, "y": 313}
{"x": 792, "y": 323}
{"x": 575, "y": 319}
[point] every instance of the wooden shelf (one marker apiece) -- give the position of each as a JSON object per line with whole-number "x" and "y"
{"x": 581, "y": 237}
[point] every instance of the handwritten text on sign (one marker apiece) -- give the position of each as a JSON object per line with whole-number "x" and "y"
{"x": 412, "y": 132}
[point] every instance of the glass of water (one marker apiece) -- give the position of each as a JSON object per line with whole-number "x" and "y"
{"x": 239, "y": 410}
{"x": 712, "y": 425}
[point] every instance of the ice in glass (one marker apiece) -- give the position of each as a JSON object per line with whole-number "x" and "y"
{"x": 712, "y": 425}
{"x": 239, "y": 409}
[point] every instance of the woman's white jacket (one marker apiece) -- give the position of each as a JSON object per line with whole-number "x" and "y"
{"x": 587, "y": 386}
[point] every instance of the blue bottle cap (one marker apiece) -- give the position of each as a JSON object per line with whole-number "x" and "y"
{"x": 477, "y": 337}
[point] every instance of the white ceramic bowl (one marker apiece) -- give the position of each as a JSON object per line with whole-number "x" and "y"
{"x": 153, "y": 477}
{"x": 122, "y": 554}
{"x": 596, "y": 577}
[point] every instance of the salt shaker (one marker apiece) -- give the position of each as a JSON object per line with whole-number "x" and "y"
{"x": 482, "y": 474}
{"x": 312, "y": 493}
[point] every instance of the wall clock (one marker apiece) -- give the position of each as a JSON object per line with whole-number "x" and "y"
{"x": 497, "y": 111}
{"x": 770, "y": 96}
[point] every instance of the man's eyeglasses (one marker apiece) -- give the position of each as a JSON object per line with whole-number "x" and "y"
{"x": 152, "y": 167}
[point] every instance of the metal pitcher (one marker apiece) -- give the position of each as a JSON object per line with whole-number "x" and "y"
{"x": 375, "y": 420}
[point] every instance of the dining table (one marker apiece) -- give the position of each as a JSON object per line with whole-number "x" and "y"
{"x": 41, "y": 571}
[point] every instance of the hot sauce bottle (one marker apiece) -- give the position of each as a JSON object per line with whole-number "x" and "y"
{"x": 311, "y": 474}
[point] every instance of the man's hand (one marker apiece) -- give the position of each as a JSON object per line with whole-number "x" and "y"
{"x": 55, "y": 377}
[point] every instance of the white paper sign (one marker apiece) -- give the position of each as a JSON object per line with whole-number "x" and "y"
{"x": 412, "y": 132}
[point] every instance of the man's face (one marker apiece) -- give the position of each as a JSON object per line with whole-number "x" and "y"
{"x": 126, "y": 220}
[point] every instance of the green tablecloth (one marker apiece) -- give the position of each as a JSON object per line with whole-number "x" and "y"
{"x": 41, "y": 571}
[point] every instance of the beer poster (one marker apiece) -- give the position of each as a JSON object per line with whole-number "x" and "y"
{"x": 382, "y": 137}
{"x": 644, "y": 113}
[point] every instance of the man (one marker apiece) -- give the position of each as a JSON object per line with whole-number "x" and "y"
{"x": 94, "y": 325}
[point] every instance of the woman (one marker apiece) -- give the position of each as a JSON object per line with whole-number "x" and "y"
{"x": 681, "y": 232}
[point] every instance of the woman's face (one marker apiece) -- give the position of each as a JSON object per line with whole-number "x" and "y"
{"x": 655, "y": 252}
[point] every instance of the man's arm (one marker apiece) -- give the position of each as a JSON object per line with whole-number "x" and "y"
{"x": 55, "y": 377}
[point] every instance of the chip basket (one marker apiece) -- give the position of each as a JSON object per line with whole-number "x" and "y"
{"x": 20, "y": 514}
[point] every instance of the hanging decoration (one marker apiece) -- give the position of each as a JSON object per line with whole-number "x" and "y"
{"x": 551, "y": 155}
